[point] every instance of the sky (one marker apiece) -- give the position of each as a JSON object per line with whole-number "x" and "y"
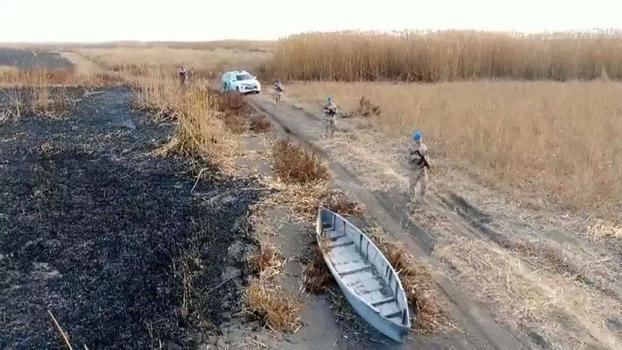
{"x": 194, "y": 20}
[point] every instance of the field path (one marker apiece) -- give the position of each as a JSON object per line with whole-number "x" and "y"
{"x": 83, "y": 65}
{"x": 480, "y": 329}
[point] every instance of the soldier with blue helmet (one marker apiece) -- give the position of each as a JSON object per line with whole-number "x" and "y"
{"x": 418, "y": 165}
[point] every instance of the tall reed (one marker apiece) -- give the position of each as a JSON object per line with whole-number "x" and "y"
{"x": 447, "y": 56}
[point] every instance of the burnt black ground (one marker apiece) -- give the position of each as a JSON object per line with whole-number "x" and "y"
{"x": 93, "y": 227}
{"x": 32, "y": 59}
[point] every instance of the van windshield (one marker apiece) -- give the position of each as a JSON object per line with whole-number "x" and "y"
{"x": 243, "y": 77}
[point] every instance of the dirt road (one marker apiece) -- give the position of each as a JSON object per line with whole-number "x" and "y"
{"x": 514, "y": 274}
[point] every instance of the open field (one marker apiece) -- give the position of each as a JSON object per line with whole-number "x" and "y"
{"x": 560, "y": 140}
{"x": 517, "y": 246}
{"x": 210, "y": 62}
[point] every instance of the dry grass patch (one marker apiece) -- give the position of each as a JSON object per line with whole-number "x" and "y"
{"x": 267, "y": 261}
{"x": 44, "y": 78}
{"x": 316, "y": 276}
{"x": 294, "y": 164}
{"x": 41, "y": 101}
{"x": 278, "y": 309}
{"x": 604, "y": 229}
{"x": 365, "y": 109}
{"x": 233, "y": 109}
{"x": 562, "y": 139}
{"x": 260, "y": 124}
{"x": 199, "y": 132}
{"x": 338, "y": 202}
{"x": 306, "y": 199}
{"x": 37, "y": 77}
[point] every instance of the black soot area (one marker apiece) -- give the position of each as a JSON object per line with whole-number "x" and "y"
{"x": 107, "y": 237}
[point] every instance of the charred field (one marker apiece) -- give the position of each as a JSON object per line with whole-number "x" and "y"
{"x": 108, "y": 237}
{"x": 37, "y": 59}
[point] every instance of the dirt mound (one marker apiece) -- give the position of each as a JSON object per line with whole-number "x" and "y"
{"x": 105, "y": 235}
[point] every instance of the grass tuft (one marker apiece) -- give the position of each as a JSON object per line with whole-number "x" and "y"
{"x": 266, "y": 261}
{"x": 260, "y": 124}
{"x": 316, "y": 276}
{"x": 367, "y": 109}
{"x": 297, "y": 165}
{"x": 278, "y": 309}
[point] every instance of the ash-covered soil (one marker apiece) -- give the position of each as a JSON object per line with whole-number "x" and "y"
{"x": 32, "y": 59}
{"x": 106, "y": 236}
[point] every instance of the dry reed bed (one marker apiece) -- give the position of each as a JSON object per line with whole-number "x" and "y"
{"x": 448, "y": 55}
{"x": 563, "y": 140}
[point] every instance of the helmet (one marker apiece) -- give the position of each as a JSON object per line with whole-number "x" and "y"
{"x": 416, "y": 136}
{"x": 329, "y": 99}
{"x": 278, "y": 81}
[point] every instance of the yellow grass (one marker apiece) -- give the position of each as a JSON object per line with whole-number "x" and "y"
{"x": 450, "y": 55}
{"x": 214, "y": 60}
{"x": 563, "y": 138}
{"x": 279, "y": 309}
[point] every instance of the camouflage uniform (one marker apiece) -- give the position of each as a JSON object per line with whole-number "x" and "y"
{"x": 183, "y": 76}
{"x": 278, "y": 88}
{"x": 418, "y": 173}
{"x": 330, "y": 118}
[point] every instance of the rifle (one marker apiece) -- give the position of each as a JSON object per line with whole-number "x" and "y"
{"x": 423, "y": 162}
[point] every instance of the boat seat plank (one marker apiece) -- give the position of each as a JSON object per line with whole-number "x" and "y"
{"x": 339, "y": 241}
{"x": 354, "y": 269}
{"x": 395, "y": 314}
{"x": 342, "y": 244}
{"x": 365, "y": 277}
{"x": 330, "y": 233}
{"x": 377, "y": 296}
{"x": 343, "y": 254}
{"x": 389, "y": 309}
{"x": 336, "y": 237}
{"x": 364, "y": 282}
{"x": 383, "y": 301}
{"x": 349, "y": 265}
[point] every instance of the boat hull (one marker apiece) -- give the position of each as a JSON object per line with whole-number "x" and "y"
{"x": 398, "y": 326}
